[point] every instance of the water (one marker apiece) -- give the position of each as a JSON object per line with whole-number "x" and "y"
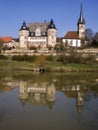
{"x": 33, "y": 101}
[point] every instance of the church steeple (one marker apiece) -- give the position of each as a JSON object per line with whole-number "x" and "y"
{"x": 81, "y": 25}
{"x": 81, "y": 18}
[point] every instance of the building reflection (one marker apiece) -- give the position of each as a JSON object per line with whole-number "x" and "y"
{"x": 79, "y": 92}
{"x": 42, "y": 92}
{"x": 37, "y": 94}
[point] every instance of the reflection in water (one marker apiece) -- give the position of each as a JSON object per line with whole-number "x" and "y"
{"x": 55, "y": 92}
{"x": 45, "y": 94}
{"x": 37, "y": 94}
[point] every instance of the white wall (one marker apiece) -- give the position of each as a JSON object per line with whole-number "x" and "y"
{"x": 37, "y": 39}
{"x": 72, "y": 42}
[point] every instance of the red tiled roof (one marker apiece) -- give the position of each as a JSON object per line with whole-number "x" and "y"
{"x": 6, "y": 39}
{"x": 7, "y": 88}
{"x": 72, "y": 35}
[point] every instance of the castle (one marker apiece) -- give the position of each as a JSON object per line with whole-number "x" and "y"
{"x": 38, "y": 35}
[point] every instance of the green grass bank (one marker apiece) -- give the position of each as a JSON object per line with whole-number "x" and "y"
{"x": 50, "y": 63}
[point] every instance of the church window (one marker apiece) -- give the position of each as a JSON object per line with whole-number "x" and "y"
{"x": 81, "y": 26}
{"x": 71, "y": 42}
{"x": 76, "y": 43}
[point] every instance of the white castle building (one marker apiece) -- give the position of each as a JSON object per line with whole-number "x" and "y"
{"x": 38, "y": 34}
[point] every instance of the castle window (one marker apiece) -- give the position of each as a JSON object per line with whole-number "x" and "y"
{"x": 32, "y": 34}
{"x": 44, "y": 33}
{"x": 45, "y": 26}
{"x": 52, "y": 32}
{"x": 52, "y": 37}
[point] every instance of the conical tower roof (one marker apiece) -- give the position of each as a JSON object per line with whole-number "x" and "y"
{"x": 81, "y": 18}
{"x": 51, "y": 25}
{"x": 24, "y": 27}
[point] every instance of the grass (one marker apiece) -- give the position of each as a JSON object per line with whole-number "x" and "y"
{"x": 53, "y": 65}
{"x": 83, "y": 66}
{"x": 15, "y": 65}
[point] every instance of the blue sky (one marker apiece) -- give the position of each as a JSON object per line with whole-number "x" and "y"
{"x": 65, "y": 14}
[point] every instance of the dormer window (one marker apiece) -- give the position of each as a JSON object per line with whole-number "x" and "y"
{"x": 40, "y": 26}
{"x": 33, "y": 27}
{"x": 32, "y": 33}
{"x": 38, "y": 32}
{"x": 44, "y": 33}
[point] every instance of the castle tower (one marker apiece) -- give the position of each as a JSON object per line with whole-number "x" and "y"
{"x": 51, "y": 95}
{"x": 51, "y": 33}
{"x": 51, "y": 91}
{"x": 23, "y": 92}
{"x": 23, "y": 35}
{"x": 81, "y": 25}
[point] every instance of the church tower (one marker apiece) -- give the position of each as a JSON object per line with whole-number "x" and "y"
{"x": 23, "y": 35}
{"x": 51, "y": 33}
{"x": 81, "y": 25}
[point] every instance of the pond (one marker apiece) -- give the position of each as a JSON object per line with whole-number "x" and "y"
{"x": 49, "y": 101}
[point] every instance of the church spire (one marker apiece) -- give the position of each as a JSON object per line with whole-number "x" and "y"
{"x": 81, "y": 18}
{"x": 81, "y": 24}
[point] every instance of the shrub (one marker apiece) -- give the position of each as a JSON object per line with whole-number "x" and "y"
{"x": 89, "y": 60}
{"x": 77, "y": 58}
{"x": 24, "y": 58}
{"x": 61, "y": 58}
{"x": 3, "y": 57}
{"x": 50, "y": 58}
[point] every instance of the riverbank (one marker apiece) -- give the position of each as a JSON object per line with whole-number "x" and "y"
{"x": 9, "y": 65}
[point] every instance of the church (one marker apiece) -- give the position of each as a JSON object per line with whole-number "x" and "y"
{"x": 36, "y": 34}
{"x": 77, "y": 38}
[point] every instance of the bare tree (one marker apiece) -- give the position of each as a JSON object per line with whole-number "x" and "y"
{"x": 89, "y": 33}
{"x": 1, "y": 45}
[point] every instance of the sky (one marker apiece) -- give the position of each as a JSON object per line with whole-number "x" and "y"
{"x": 65, "y": 14}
